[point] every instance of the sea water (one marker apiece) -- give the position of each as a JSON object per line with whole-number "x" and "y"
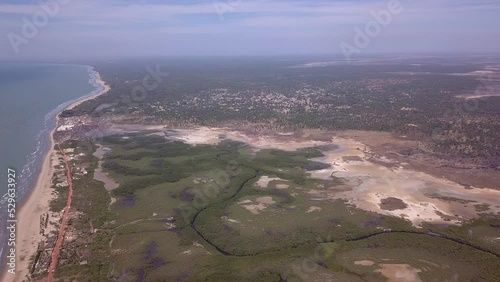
{"x": 31, "y": 96}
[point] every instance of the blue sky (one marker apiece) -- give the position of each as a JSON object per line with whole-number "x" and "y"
{"x": 244, "y": 27}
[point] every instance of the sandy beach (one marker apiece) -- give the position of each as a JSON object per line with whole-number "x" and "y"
{"x": 37, "y": 204}
{"x": 28, "y": 228}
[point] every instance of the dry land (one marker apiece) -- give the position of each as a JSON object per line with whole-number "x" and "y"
{"x": 198, "y": 203}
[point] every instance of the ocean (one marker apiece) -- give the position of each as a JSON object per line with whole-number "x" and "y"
{"x": 32, "y": 95}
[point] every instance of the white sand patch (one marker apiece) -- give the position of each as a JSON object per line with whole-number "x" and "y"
{"x": 159, "y": 133}
{"x": 230, "y": 220}
{"x": 264, "y": 181}
{"x": 196, "y": 249}
{"x": 245, "y": 202}
{"x": 207, "y": 135}
{"x": 431, "y": 263}
{"x": 202, "y": 135}
{"x": 196, "y": 244}
{"x": 282, "y": 186}
{"x": 400, "y": 272}
{"x": 268, "y": 200}
{"x": 370, "y": 183}
{"x": 364, "y": 262}
{"x": 313, "y": 209}
{"x": 255, "y": 209}
{"x": 262, "y": 204}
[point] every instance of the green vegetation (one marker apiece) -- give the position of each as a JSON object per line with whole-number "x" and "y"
{"x": 374, "y": 96}
{"x": 196, "y": 213}
{"x": 203, "y": 213}
{"x": 436, "y": 259}
{"x": 90, "y": 201}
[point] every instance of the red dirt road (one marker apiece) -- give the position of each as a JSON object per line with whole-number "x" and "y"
{"x": 60, "y": 237}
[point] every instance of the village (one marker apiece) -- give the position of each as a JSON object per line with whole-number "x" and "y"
{"x": 50, "y": 222}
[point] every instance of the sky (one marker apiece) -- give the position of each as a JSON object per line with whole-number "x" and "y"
{"x": 120, "y": 28}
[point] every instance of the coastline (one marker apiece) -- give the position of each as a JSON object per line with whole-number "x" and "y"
{"x": 37, "y": 201}
{"x": 98, "y": 80}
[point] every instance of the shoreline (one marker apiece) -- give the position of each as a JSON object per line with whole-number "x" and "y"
{"x": 37, "y": 201}
{"x": 98, "y": 80}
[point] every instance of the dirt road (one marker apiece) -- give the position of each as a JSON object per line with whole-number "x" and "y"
{"x": 60, "y": 237}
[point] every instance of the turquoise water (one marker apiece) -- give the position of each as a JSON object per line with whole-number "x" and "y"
{"x": 31, "y": 95}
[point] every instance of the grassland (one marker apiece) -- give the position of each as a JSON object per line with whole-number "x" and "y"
{"x": 204, "y": 213}
{"x": 436, "y": 259}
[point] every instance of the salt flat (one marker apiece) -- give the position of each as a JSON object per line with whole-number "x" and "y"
{"x": 427, "y": 198}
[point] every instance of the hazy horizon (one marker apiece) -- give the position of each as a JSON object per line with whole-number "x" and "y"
{"x": 69, "y": 29}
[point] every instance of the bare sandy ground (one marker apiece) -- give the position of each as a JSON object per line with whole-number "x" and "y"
{"x": 369, "y": 178}
{"x": 424, "y": 194}
{"x": 364, "y": 262}
{"x": 400, "y": 272}
{"x": 262, "y": 204}
{"x": 313, "y": 209}
{"x": 207, "y": 135}
{"x": 264, "y": 181}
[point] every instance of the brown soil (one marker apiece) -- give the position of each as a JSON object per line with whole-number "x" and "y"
{"x": 392, "y": 204}
{"x": 417, "y": 158}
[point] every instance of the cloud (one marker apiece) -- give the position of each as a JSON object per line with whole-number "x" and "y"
{"x": 310, "y": 25}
